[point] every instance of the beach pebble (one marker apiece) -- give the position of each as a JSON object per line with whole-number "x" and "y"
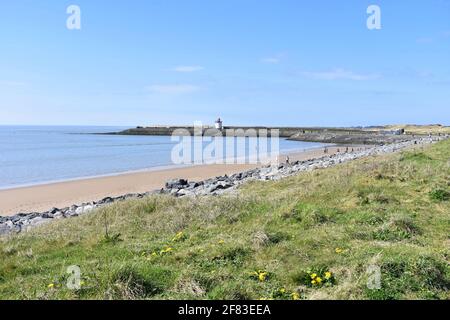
{"x": 58, "y": 215}
{"x": 84, "y": 209}
{"x": 176, "y": 183}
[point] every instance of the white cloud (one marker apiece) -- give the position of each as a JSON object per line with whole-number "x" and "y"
{"x": 339, "y": 74}
{"x": 274, "y": 59}
{"x": 271, "y": 60}
{"x": 173, "y": 88}
{"x": 187, "y": 68}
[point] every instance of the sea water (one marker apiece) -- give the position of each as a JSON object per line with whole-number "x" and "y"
{"x": 31, "y": 155}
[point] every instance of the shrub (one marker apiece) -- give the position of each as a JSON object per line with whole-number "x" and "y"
{"x": 141, "y": 281}
{"x": 373, "y": 195}
{"x": 278, "y": 236}
{"x": 440, "y": 195}
{"x": 422, "y": 274}
{"x": 234, "y": 256}
{"x": 310, "y": 215}
{"x": 399, "y": 228}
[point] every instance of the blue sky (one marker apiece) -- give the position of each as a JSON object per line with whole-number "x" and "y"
{"x": 252, "y": 62}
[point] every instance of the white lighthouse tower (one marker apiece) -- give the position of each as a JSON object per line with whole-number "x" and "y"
{"x": 219, "y": 125}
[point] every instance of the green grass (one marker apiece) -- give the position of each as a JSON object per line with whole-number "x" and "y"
{"x": 392, "y": 212}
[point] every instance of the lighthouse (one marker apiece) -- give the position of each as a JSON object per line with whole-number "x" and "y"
{"x": 219, "y": 124}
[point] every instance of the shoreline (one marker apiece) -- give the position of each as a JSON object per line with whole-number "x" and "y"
{"x": 152, "y": 169}
{"x": 61, "y": 194}
{"x": 61, "y": 176}
{"x": 106, "y": 175}
{"x": 38, "y": 198}
{"x": 189, "y": 186}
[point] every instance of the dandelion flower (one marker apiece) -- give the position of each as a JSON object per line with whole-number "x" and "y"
{"x": 221, "y": 242}
{"x": 319, "y": 280}
{"x": 313, "y": 276}
{"x": 282, "y": 290}
{"x": 328, "y": 275}
{"x": 339, "y": 250}
{"x": 313, "y": 282}
{"x": 51, "y": 286}
{"x": 262, "y": 276}
{"x": 295, "y": 296}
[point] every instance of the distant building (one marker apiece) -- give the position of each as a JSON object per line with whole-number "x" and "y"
{"x": 219, "y": 125}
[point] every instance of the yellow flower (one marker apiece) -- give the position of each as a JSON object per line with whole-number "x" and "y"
{"x": 328, "y": 275}
{"x": 178, "y": 236}
{"x": 262, "y": 276}
{"x": 282, "y": 290}
{"x": 319, "y": 280}
{"x": 295, "y": 296}
{"x": 313, "y": 276}
{"x": 339, "y": 250}
{"x": 82, "y": 283}
{"x": 154, "y": 254}
{"x": 314, "y": 282}
{"x": 51, "y": 286}
{"x": 221, "y": 242}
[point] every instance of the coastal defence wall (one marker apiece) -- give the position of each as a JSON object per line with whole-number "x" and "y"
{"x": 310, "y": 134}
{"x": 284, "y": 132}
{"x": 358, "y": 138}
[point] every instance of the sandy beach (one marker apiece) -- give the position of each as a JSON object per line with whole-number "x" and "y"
{"x": 63, "y": 194}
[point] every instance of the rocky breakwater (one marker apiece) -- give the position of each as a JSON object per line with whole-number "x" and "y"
{"x": 351, "y": 138}
{"x": 214, "y": 186}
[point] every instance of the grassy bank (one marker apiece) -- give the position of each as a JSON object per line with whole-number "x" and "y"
{"x": 313, "y": 236}
{"x": 426, "y": 129}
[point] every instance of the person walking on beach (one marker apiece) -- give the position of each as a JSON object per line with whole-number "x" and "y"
{"x": 287, "y": 159}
